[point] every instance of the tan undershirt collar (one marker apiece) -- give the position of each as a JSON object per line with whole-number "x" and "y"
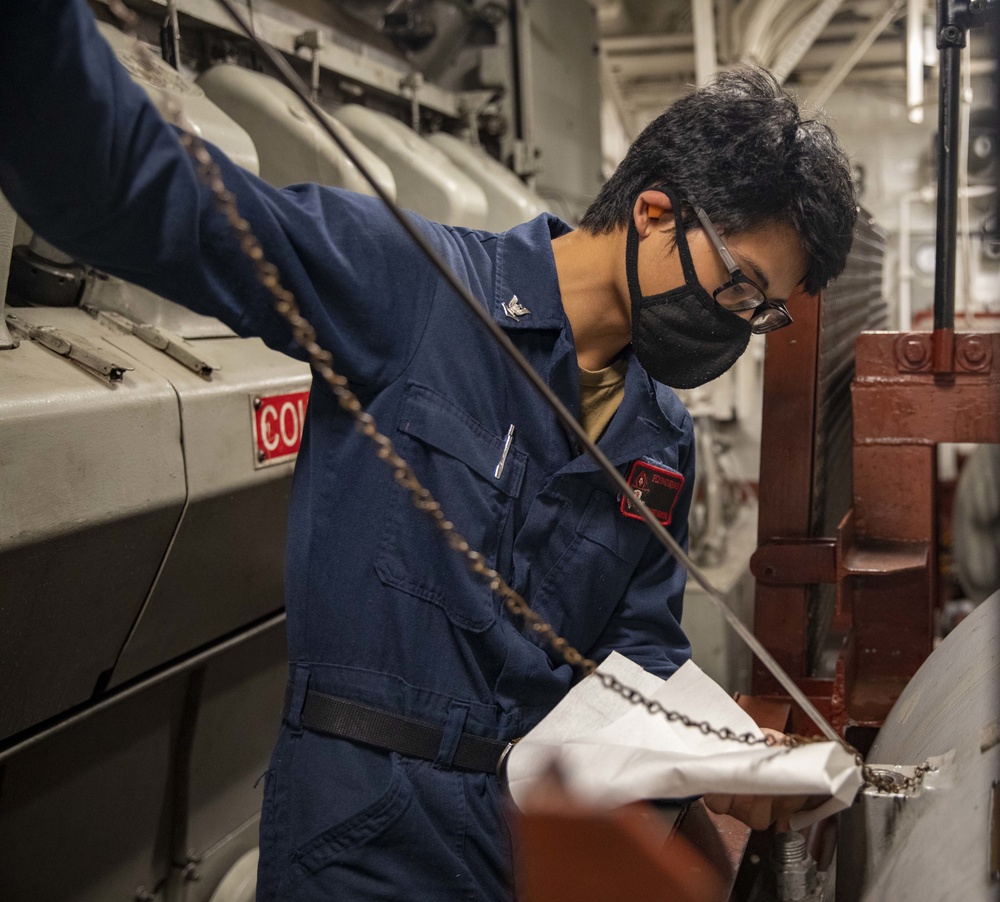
{"x": 601, "y": 392}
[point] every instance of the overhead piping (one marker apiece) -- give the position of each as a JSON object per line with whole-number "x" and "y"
{"x": 915, "y": 60}
{"x": 705, "y": 57}
{"x": 799, "y": 46}
{"x": 852, "y": 54}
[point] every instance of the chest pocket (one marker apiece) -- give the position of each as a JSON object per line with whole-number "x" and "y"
{"x": 455, "y": 457}
{"x": 582, "y": 587}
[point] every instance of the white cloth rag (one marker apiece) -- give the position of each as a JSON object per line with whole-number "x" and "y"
{"x": 611, "y": 751}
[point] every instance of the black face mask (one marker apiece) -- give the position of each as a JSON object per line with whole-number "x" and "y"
{"x": 682, "y": 337}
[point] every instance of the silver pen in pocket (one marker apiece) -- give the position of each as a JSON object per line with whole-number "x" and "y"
{"x": 498, "y": 472}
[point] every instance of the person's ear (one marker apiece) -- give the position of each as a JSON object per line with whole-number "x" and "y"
{"x": 652, "y": 209}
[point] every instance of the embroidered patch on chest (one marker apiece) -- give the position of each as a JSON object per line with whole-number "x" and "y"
{"x": 657, "y": 486}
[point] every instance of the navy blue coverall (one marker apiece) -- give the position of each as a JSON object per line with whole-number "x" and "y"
{"x": 379, "y": 609}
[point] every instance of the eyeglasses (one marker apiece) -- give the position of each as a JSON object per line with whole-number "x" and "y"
{"x": 741, "y": 293}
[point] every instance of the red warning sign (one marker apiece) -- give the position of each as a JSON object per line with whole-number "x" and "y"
{"x": 278, "y": 421}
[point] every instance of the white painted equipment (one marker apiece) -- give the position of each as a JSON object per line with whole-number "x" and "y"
{"x": 166, "y": 86}
{"x": 291, "y": 145}
{"x": 427, "y": 182}
{"x": 510, "y": 200}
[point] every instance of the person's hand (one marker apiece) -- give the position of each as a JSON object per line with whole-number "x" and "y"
{"x": 759, "y": 812}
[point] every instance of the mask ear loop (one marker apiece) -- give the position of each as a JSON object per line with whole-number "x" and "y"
{"x": 680, "y": 236}
{"x": 632, "y": 246}
{"x": 632, "y": 249}
{"x": 632, "y": 263}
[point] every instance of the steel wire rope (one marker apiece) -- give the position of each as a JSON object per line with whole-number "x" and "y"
{"x": 291, "y": 79}
{"x": 322, "y": 359}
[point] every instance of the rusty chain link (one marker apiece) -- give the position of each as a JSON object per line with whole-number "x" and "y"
{"x": 321, "y": 361}
{"x": 883, "y": 780}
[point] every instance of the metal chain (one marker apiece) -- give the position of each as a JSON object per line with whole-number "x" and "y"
{"x": 321, "y": 361}
{"x": 884, "y": 780}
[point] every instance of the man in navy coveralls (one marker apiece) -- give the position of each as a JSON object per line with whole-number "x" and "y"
{"x": 648, "y": 293}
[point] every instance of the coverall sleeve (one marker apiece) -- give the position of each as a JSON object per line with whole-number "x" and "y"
{"x": 88, "y": 162}
{"x": 646, "y": 624}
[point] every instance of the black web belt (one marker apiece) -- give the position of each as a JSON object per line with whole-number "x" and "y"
{"x": 340, "y": 717}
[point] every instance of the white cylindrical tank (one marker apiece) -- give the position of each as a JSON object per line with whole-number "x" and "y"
{"x": 509, "y": 200}
{"x": 290, "y": 143}
{"x": 240, "y": 882}
{"x": 163, "y": 83}
{"x": 427, "y": 182}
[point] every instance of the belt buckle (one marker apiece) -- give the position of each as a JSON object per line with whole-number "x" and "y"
{"x": 501, "y": 769}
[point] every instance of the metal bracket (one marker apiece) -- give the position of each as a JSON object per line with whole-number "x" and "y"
{"x": 176, "y": 347}
{"x": 314, "y": 41}
{"x": 956, "y": 17}
{"x": 794, "y": 562}
{"x": 162, "y": 339}
{"x": 915, "y": 352}
{"x": 471, "y": 105}
{"x": 74, "y": 348}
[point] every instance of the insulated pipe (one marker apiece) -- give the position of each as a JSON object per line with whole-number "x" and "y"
{"x": 915, "y": 60}
{"x": 793, "y": 17}
{"x": 759, "y": 24}
{"x": 867, "y": 36}
{"x": 798, "y": 46}
{"x": 706, "y": 59}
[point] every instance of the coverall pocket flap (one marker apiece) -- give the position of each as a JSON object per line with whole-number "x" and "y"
{"x": 431, "y": 418}
{"x": 456, "y": 458}
{"x": 602, "y": 523}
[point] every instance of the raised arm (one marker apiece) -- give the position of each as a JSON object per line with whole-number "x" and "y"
{"x": 88, "y": 162}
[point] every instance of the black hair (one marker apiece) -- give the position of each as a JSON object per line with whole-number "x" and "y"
{"x": 740, "y": 149}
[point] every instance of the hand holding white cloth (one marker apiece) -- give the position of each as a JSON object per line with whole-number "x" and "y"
{"x": 611, "y": 751}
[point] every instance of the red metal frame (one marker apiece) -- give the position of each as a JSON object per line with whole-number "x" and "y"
{"x": 910, "y": 392}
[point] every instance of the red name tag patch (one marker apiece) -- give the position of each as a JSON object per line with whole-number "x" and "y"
{"x": 277, "y": 426}
{"x": 657, "y": 487}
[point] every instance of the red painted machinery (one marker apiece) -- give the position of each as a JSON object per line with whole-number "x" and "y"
{"x": 847, "y": 563}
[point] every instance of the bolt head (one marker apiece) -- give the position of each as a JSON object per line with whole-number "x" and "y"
{"x": 914, "y": 351}
{"x": 975, "y": 352}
